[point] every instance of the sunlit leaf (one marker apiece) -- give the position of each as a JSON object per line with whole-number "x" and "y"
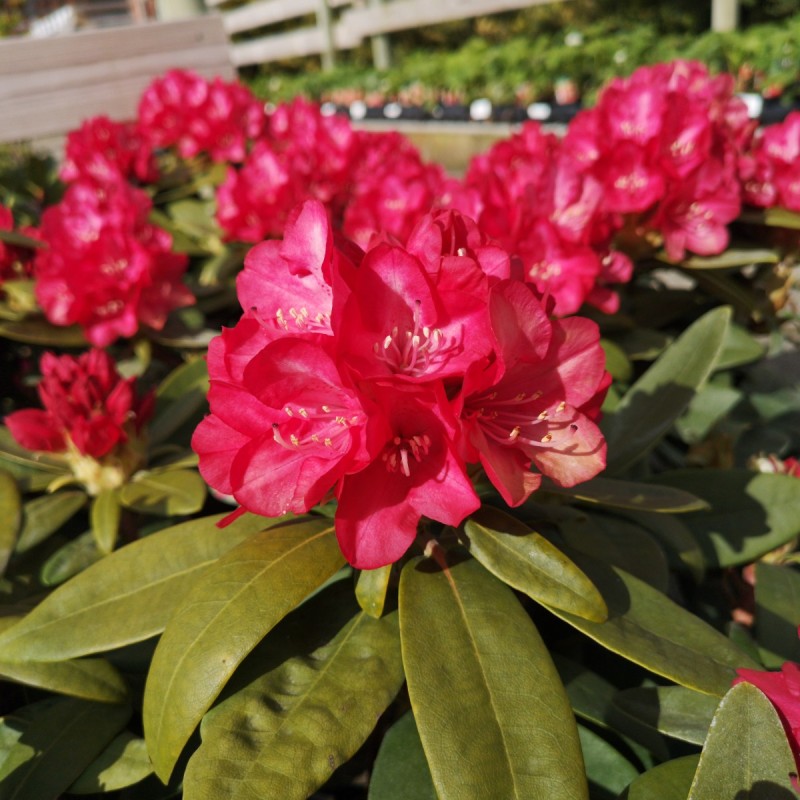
{"x": 659, "y": 397}
{"x": 606, "y": 767}
{"x": 33, "y": 471}
{"x": 70, "y": 559}
{"x": 241, "y": 597}
{"x": 10, "y": 516}
{"x": 104, "y": 517}
{"x": 732, "y": 258}
{"x": 777, "y": 613}
{"x": 528, "y": 562}
{"x": 166, "y": 493}
{"x": 466, "y": 640}
{"x": 746, "y": 753}
{"x": 123, "y": 763}
{"x": 126, "y": 597}
{"x": 739, "y": 347}
{"x": 669, "y": 781}
{"x": 371, "y": 589}
{"x": 44, "y": 515}
{"x": 38, "y": 331}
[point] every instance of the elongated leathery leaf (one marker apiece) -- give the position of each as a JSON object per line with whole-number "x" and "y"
{"x": 606, "y": 767}
{"x": 492, "y": 713}
{"x": 126, "y": 597}
{"x": 659, "y": 397}
{"x": 669, "y": 781}
{"x": 10, "y": 516}
{"x": 44, "y": 515}
{"x": 59, "y": 742}
{"x": 320, "y": 682}
{"x": 646, "y": 627}
{"x": 123, "y": 763}
{"x": 527, "y": 561}
{"x": 746, "y": 753}
{"x": 777, "y": 613}
{"x": 239, "y": 600}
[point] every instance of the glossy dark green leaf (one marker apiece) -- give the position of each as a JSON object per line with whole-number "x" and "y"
{"x": 10, "y": 516}
{"x": 606, "y": 767}
{"x": 620, "y": 542}
{"x": 777, "y": 613}
{"x": 646, "y": 627}
{"x": 223, "y": 617}
{"x": 44, "y": 515}
{"x": 304, "y": 715}
{"x": 70, "y": 559}
{"x": 33, "y": 471}
{"x": 660, "y": 396}
{"x": 612, "y": 493}
{"x": 179, "y": 397}
{"x": 126, "y": 597}
{"x": 38, "y": 331}
{"x": 104, "y": 517}
{"x": 401, "y": 771}
{"x": 57, "y": 745}
{"x": 746, "y": 753}
{"x": 123, "y": 763}
{"x": 88, "y": 678}
{"x": 165, "y": 493}
{"x": 669, "y": 781}
{"x": 529, "y": 563}
{"x": 707, "y": 408}
{"x": 466, "y": 641}
{"x": 732, "y": 258}
{"x": 371, "y": 589}
{"x": 673, "y": 710}
{"x": 750, "y": 513}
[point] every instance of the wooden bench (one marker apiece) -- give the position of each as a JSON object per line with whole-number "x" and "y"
{"x": 49, "y": 86}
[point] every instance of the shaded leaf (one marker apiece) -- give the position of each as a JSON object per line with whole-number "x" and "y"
{"x": 123, "y": 763}
{"x": 529, "y": 563}
{"x": 104, "y": 517}
{"x": 750, "y": 513}
{"x": 70, "y": 559}
{"x": 179, "y": 397}
{"x": 306, "y": 711}
{"x": 617, "y": 363}
{"x": 606, "y": 767}
{"x": 128, "y": 596}
{"x": 746, "y": 753}
{"x": 167, "y": 493}
{"x": 57, "y": 745}
{"x": 739, "y": 347}
{"x": 371, "y": 589}
{"x": 659, "y": 397}
{"x": 669, "y": 781}
{"x": 777, "y": 613}
{"x": 36, "y": 330}
{"x": 646, "y": 627}
{"x": 465, "y": 636}
{"x": 400, "y": 771}
{"x": 632, "y": 495}
{"x": 241, "y": 597}
{"x": 706, "y": 409}
{"x": 33, "y": 471}
{"x": 43, "y": 516}
{"x": 10, "y": 516}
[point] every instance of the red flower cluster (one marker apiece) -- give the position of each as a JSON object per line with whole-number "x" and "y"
{"x": 381, "y": 375}
{"x": 770, "y": 170}
{"x": 107, "y": 268}
{"x": 184, "y": 110}
{"x": 91, "y": 415}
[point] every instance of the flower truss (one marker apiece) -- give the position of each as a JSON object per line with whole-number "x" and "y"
{"x": 379, "y": 376}
{"x": 92, "y": 417}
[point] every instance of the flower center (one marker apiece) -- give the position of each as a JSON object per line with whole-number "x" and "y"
{"x": 309, "y": 427}
{"x": 403, "y": 452}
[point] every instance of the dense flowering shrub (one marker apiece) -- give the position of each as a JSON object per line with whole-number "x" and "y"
{"x": 91, "y": 415}
{"x": 15, "y": 262}
{"x": 106, "y": 267}
{"x": 380, "y": 375}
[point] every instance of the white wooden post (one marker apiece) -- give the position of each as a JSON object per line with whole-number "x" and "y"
{"x": 325, "y": 25}
{"x": 724, "y": 15}
{"x": 381, "y": 53}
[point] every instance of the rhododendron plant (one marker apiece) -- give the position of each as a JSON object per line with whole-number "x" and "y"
{"x": 380, "y": 377}
{"x": 92, "y": 417}
{"x": 16, "y": 262}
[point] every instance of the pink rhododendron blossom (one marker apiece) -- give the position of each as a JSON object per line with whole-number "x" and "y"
{"x": 107, "y": 268}
{"x": 184, "y": 110}
{"x": 377, "y": 378}
{"x": 91, "y": 415}
{"x": 103, "y": 151}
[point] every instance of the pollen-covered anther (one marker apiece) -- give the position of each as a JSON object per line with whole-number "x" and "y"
{"x": 548, "y": 437}
{"x": 397, "y": 455}
{"x": 561, "y": 406}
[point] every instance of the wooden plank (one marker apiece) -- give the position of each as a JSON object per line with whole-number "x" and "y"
{"x": 266, "y": 12}
{"x": 294, "y": 44}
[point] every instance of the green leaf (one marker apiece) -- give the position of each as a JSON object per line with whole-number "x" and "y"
{"x": 529, "y": 563}
{"x": 777, "y": 613}
{"x": 20, "y": 240}
{"x": 705, "y": 410}
{"x": 646, "y": 627}
{"x": 669, "y": 781}
{"x": 169, "y": 494}
{"x": 673, "y": 710}
{"x": 617, "y": 363}
{"x": 239, "y": 600}
{"x": 781, "y": 218}
{"x": 659, "y": 397}
{"x": 43, "y": 516}
{"x": 33, "y": 471}
{"x": 128, "y": 596}
{"x": 70, "y": 559}
{"x": 40, "y": 332}
{"x": 10, "y": 516}
{"x": 400, "y": 771}
{"x": 315, "y": 696}
{"x": 123, "y": 763}
{"x": 606, "y": 767}
{"x": 732, "y": 258}
{"x": 179, "y": 397}
{"x": 57, "y": 745}
{"x": 746, "y": 753}
{"x": 371, "y": 589}
{"x": 89, "y": 678}
{"x": 750, "y": 513}
{"x": 631, "y": 495}
{"x": 105, "y": 516}
{"x": 739, "y": 347}
{"x": 482, "y": 686}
